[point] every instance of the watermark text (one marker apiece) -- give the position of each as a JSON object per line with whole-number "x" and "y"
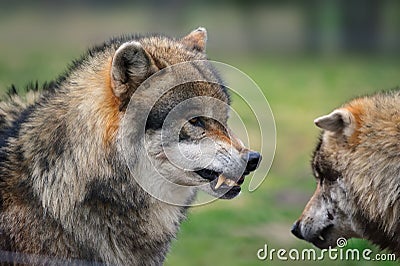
{"x": 338, "y": 253}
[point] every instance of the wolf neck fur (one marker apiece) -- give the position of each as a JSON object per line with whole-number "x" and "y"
{"x": 60, "y": 178}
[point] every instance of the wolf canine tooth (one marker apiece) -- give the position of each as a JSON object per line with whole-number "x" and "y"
{"x": 221, "y": 179}
{"x": 230, "y": 182}
{"x": 321, "y": 238}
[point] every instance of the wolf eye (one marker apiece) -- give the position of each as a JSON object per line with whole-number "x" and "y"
{"x": 197, "y": 122}
{"x": 325, "y": 171}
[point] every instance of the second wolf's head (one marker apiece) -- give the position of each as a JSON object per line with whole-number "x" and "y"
{"x": 356, "y": 166}
{"x": 174, "y": 134}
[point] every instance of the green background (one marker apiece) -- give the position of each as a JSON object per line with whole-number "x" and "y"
{"x": 273, "y": 43}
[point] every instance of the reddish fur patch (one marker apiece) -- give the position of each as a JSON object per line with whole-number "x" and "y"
{"x": 217, "y": 134}
{"x": 196, "y": 39}
{"x": 222, "y": 136}
{"x": 355, "y": 107}
{"x": 109, "y": 107}
{"x": 310, "y": 202}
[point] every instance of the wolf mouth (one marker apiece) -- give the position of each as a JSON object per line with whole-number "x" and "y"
{"x": 218, "y": 180}
{"x": 320, "y": 240}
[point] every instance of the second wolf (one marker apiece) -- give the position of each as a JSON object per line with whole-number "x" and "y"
{"x": 69, "y": 185}
{"x": 357, "y": 168}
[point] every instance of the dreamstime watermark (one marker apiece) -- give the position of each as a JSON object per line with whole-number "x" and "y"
{"x": 338, "y": 253}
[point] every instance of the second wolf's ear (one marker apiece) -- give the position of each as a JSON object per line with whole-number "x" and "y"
{"x": 340, "y": 120}
{"x": 196, "y": 40}
{"x": 131, "y": 65}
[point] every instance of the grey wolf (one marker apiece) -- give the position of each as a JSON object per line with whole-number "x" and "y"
{"x": 357, "y": 168}
{"x": 66, "y": 190}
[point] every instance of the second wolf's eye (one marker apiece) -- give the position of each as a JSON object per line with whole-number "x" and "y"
{"x": 197, "y": 122}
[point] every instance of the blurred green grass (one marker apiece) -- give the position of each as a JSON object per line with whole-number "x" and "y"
{"x": 298, "y": 89}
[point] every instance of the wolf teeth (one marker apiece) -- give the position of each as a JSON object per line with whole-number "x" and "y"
{"x": 230, "y": 182}
{"x": 221, "y": 180}
{"x": 321, "y": 238}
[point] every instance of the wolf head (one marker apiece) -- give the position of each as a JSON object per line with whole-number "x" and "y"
{"x": 356, "y": 166}
{"x": 174, "y": 134}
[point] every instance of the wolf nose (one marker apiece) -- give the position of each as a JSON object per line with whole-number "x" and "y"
{"x": 296, "y": 230}
{"x": 253, "y": 160}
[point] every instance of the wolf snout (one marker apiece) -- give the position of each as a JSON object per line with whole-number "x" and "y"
{"x": 253, "y": 161}
{"x": 296, "y": 230}
{"x": 321, "y": 237}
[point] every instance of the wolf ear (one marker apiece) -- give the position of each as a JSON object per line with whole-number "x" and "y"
{"x": 131, "y": 65}
{"x": 340, "y": 120}
{"x": 196, "y": 40}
